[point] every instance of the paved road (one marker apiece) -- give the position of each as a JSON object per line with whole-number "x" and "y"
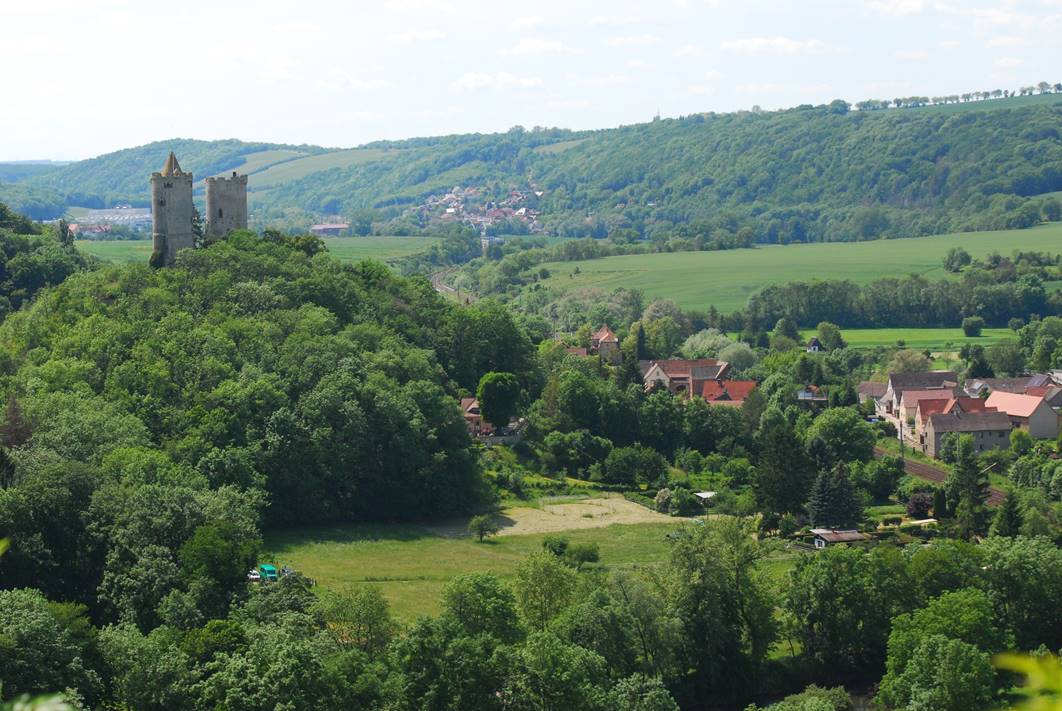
{"x": 937, "y": 476}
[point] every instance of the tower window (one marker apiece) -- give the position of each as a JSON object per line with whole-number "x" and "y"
{"x": 167, "y": 185}
{"x": 162, "y": 203}
{"x": 220, "y": 215}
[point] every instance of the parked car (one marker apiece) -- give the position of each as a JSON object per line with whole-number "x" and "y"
{"x": 268, "y": 572}
{"x": 254, "y": 576}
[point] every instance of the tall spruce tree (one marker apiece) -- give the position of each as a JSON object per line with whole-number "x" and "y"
{"x": 1008, "y": 520}
{"x": 833, "y": 502}
{"x": 967, "y": 488}
{"x": 785, "y": 471}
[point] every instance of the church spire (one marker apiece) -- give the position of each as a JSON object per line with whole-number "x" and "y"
{"x": 172, "y": 167}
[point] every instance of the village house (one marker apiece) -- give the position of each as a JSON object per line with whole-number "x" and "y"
{"x": 682, "y": 376}
{"x": 1027, "y": 412}
{"x": 910, "y": 398}
{"x": 576, "y": 351}
{"x": 604, "y": 343}
{"x": 933, "y": 406}
{"x": 727, "y": 392}
{"x": 868, "y": 390}
{"x": 982, "y": 387}
{"x": 989, "y": 430}
{"x": 477, "y": 426}
{"x": 831, "y": 536}
{"x": 889, "y": 403}
{"x": 815, "y": 345}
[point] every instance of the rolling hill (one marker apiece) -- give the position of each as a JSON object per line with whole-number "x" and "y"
{"x": 812, "y": 173}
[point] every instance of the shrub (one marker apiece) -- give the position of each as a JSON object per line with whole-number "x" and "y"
{"x": 972, "y": 325}
{"x": 482, "y": 526}
{"x": 662, "y": 502}
{"x": 557, "y": 545}
{"x": 918, "y": 505}
{"x": 788, "y": 525}
{"x": 683, "y": 503}
{"x": 580, "y": 553}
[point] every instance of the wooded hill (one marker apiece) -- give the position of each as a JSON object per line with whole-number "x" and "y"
{"x": 804, "y": 174}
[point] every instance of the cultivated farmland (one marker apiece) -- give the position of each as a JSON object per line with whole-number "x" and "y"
{"x": 696, "y": 280}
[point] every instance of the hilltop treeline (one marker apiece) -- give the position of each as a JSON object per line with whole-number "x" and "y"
{"x": 813, "y": 173}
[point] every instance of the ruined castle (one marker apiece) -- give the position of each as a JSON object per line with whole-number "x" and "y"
{"x": 173, "y": 212}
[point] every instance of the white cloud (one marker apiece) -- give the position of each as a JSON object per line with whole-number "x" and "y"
{"x": 949, "y": 44}
{"x": 430, "y": 5}
{"x": 535, "y": 45}
{"x": 633, "y": 41}
{"x": 341, "y": 82}
{"x": 1008, "y": 63}
{"x": 766, "y": 88}
{"x": 635, "y": 64}
{"x": 996, "y": 17}
{"x": 776, "y": 45}
{"x": 411, "y": 36}
{"x": 525, "y": 23}
{"x": 896, "y": 7}
{"x": 1004, "y": 41}
{"x": 474, "y": 81}
{"x": 688, "y": 50}
{"x": 700, "y": 89}
{"x": 911, "y": 54}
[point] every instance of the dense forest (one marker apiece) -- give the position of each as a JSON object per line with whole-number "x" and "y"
{"x": 812, "y": 173}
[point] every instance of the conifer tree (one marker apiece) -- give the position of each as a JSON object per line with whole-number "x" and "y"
{"x": 967, "y": 488}
{"x": 785, "y": 471}
{"x": 833, "y": 502}
{"x": 1008, "y": 520}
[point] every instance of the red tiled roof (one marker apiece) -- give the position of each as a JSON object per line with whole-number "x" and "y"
{"x": 967, "y": 404}
{"x": 576, "y": 351}
{"x": 727, "y": 390}
{"x": 931, "y": 406}
{"x": 604, "y": 334}
{"x": 468, "y": 403}
{"x": 911, "y": 398}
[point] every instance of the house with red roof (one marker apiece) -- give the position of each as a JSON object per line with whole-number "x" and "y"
{"x": 604, "y": 343}
{"x": 1029, "y": 412}
{"x": 686, "y": 377}
{"x": 474, "y": 418}
{"x": 727, "y": 392}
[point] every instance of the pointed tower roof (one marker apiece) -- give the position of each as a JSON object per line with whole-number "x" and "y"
{"x": 172, "y": 167}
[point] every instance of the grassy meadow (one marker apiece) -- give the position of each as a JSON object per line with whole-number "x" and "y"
{"x": 934, "y": 339}
{"x": 411, "y": 564}
{"x": 697, "y": 280}
{"x": 347, "y": 249}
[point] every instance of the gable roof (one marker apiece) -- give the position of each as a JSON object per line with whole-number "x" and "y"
{"x": 678, "y": 368}
{"x": 923, "y": 381}
{"x": 911, "y": 398}
{"x": 872, "y": 389}
{"x": 727, "y": 390}
{"x": 814, "y": 342}
{"x": 576, "y": 351}
{"x": 967, "y": 404}
{"x": 1014, "y": 404}
{"x": 931, "y": 406}
{"x": 604, "y": 335}
{"x": 468, "y": 404}
{"x": 993, "y": 421}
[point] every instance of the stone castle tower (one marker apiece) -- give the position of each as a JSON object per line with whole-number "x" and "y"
{"x": 171, "y": 212}
{"x": 226, "y": 205}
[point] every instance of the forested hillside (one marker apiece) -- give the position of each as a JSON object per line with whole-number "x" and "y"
{"x": 804, "y": 174}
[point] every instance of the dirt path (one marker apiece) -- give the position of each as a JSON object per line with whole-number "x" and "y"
{"x": 937, "y": 476}
{"x": 563, "y": 516}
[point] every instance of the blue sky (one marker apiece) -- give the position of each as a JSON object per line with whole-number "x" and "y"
{"x": 98, "y": 75}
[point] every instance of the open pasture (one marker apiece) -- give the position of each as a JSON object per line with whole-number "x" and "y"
{"x": 697, "y": 280}
{"x": 346, "y": 249}
{"x": 934, "y": 339}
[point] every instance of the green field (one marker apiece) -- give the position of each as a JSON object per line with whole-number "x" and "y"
{"x": 410, "y": 564}
{"x": 696, "y": 280}
{"x": 301, "y": 167}
{"x": 347, "y": 249}
{"x": 935, "y": 339}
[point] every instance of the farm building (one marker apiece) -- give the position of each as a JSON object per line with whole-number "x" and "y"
{"x": 682, "y": 376}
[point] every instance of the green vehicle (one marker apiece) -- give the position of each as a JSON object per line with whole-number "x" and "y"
{"x": 268, "y": 572}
